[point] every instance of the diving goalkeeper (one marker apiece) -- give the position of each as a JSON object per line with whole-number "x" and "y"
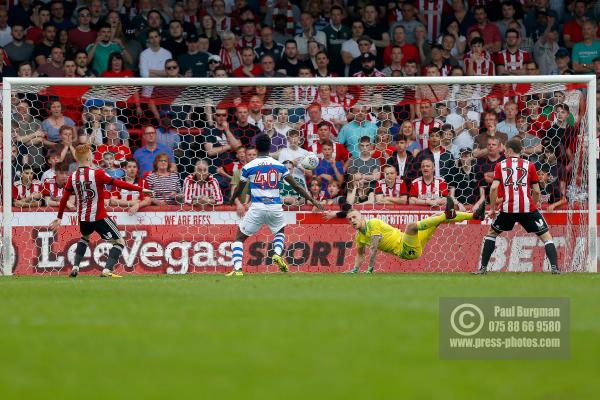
{"x": 408, "y": 245}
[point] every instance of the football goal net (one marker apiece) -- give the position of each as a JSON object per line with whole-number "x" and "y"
{"x": 392, "y": 147}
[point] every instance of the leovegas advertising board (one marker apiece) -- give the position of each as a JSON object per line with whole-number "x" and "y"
{"x": 200, "y": 242}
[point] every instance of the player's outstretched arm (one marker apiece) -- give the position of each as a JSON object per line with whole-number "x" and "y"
{"x": 61, "y": 207}
{"x": 373, "y": 251}
{"x": 359, "y": 258}
{"x": 238, "y": 192}
{"x": 129, "y": 186}
{"x": 300, "y": 190}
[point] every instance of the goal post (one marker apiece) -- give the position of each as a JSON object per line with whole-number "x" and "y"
{"x": 197, "y": 94}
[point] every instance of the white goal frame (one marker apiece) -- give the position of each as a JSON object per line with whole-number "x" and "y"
{"x": 10, "y": 83}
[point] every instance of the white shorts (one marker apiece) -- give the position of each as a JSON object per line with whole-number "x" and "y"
{"x": 255, "y": 218}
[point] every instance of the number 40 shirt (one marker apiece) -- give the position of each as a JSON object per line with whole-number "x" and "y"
{"x": 264, "y": 175}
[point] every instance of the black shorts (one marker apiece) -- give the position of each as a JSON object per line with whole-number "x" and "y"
{"x": 532, "y": 222}
{"x": 106, "y": 228}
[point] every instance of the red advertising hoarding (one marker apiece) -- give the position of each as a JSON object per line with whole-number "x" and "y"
{"x": 200, "y": 242}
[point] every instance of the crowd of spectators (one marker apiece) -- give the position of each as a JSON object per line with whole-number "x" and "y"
{"x": 413, "y": 152}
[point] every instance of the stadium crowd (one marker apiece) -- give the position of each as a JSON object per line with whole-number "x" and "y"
{"x": 413, "y": 152}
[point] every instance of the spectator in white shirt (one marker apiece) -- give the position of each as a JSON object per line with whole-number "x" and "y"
{"x": 331, "y": 111}
{"x": 152, "y": 60}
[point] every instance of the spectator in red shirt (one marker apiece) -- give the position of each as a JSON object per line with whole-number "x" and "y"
{"x": 490, "y": 32}
{"x": 116, "y": 67}
{"x": 311, "y": 126}
{"x": 53, "y": 188}
{"x": 113, "y": 145}
{"x": 409, "y": 51}
{"x": 54, "y": 66}
{"x": 537, "y": 123}
{"x": 383, "y": 145}
{"x": 41, "y": 16}
{"x": 340, "y": 153}
{"x": 82, "y": 35}
{"x": 427, "y": 190}
{"x": 391, "y": 189}
{"x": 512, "y": 59}
{"x": 232, "y": 167}
{"x": 27, "y": 193}
{"x": 573, "y": 29}
{"x": 476, "y": 62}
{"x": 248, "y": 69}
{"x": 201, "y": 188}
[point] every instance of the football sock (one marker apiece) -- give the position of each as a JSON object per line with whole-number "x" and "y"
{"x": 431, "y": 222}
{"x": 82, "y": 246}
{"x": 489, "y": 244}
{"x": 461, "y": 216}
{"x": 551, "y": 254}
{"x": 113, "y": 256}
{"x": 278, "y": 243}
{"x": 238, "y": 253}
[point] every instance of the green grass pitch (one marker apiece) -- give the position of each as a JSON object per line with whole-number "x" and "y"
{"x": 295, "y": 336}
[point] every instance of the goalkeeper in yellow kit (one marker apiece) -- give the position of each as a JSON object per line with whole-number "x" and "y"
{"x": 408, "y": 245}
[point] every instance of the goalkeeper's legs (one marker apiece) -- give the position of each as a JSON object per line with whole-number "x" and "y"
{"x": 478, "y": 214}
{"x": 435, "y": 220}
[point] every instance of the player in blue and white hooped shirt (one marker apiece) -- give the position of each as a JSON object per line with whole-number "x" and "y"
{"x": 264, "y": 175}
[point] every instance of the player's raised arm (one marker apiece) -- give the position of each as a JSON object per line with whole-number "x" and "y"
{"x": 302, "y": 192}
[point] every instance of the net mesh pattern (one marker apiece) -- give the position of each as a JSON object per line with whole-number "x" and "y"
{"x": 460, "y": 118}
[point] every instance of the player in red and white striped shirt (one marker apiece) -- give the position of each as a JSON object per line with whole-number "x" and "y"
{"x": 27, "y": 192}
{"x": 427, "y": 189}
{"x": 512, "y": 60}
{"x": 131, "y": 199}
{"x": 514, "y": 181}
{"x": 88, "y": 186}
{"x": 202, "y": 188}
{"x": 391, "y": 189}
